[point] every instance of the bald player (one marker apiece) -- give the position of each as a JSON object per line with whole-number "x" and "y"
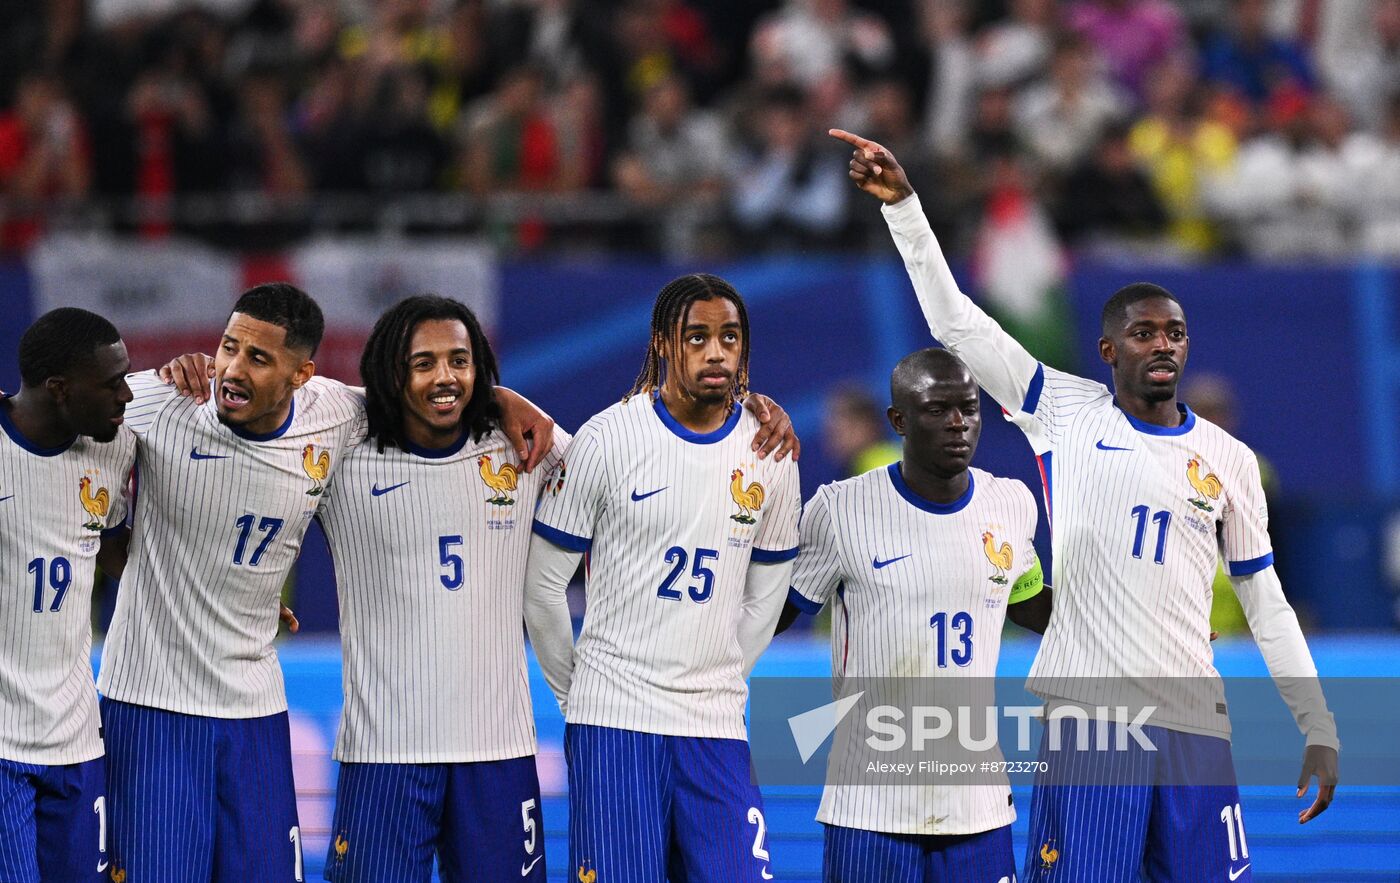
{"x": 922, "y": 561}
{"x": 1143, "y": 496}
{"x": 65, "y": 460}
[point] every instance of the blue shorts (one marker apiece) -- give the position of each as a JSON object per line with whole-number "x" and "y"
{"x": 482, "y": 821}
{"x": 1114, "y": 832}
{"x": 644, "y": 807}
{"x": 52, "y": 821}
{"x": 200, "y": 798}
{"x": 855, "y": 856}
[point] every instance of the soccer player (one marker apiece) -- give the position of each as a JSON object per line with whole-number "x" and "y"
{"x": 429, "y": 526}
{"x": 455, "y": 776}
{"x": 199, "y": 753}
{"x": 924, "y": 560}
{"x": 1143, "y": 496}
{"x": 65, "y": 460}
{"x": 690, "y": 541}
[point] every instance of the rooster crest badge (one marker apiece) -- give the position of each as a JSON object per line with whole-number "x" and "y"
{"x": 1207, "y": 487}
{"x": 95, "y": 503}
{"x": 1000, "y": 557}
{"x": 501, "y": 481}
{"x": 316, "y": 468}
{"x": 749, "y": 499}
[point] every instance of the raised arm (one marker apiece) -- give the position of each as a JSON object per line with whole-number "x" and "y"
{"x": 999, "y": 363}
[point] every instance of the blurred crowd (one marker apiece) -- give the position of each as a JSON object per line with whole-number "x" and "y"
{"x": 1269, "y": 128}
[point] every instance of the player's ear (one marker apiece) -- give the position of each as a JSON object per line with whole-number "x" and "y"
{"x": 304, "y": 373}
{"x": 896, "y": 418}
{"x": 57, "y": 387}
{"x": 1107, "y": 351}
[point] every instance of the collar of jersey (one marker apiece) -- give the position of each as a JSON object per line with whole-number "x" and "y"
{"x": 437, "y": 453}
{"x": 265, "y": 436}
{"x": 1182, "y": 428}
{"x": 905, "y": 491}
{"x": 699, "y": 438}
{"x": 18, "y": 438}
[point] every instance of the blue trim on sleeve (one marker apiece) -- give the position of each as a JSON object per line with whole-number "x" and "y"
{"x": 1187, "y": 424}
{"x": 562, "y": 539}
{"x": 18, "y": 438}
{"x": 1033, "y": 392}
{"x": 699, "y": 438}
{"x": 1253, "y": 565}
{"x": 268, "y": 436}
{"x": 772, "y": 556}
{"x": 802, "y": 602}
{"x": 905, "y": 491}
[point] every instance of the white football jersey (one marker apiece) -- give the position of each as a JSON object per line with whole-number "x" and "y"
{"x": 55, "y": 504}
{"x": 670, "y": 519}
{"x": 220, "y": 516}
{"x": 919, "y": 590}
{"x": 1139, "y": 514}
{"x": 430, "y": 550}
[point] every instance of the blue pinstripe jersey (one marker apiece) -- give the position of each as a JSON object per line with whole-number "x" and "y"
{"x": 430, "y": 549}
{"x": 919, "y": 590}
{"x": 220, "y": 516}
{"x": 671, "y": 519}
{"x": 54, "y": 505}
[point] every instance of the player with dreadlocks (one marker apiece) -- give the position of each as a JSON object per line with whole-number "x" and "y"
{"x": 436, "y": 742}
{"x": 691, "y": 540}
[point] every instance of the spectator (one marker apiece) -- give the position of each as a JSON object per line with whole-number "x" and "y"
{"x": 44, "y": 155}
{"x": 793, "y": 192}
{"x": 673, "y": 164}
{"x": 811, "y": 40}
{"x": 1107, "y": 203}
{"x": 1133, "y": 36}
{"x": 1380, "y": 198}
{"x": 402, "y": 151}
{"x": 1182, "y": 151}
{"x": 855, "y": 432}
{"x": 953, "y": 75}
{"x": 511, "y": 143}
{"x": 1019, "y": 266}
{"x": 1367, "y": 75}
{"x": 1248, "y": 60}
{"x": 1062, "y": 118}
{"x": 264, "y": 157}
{"x": 1288, "y": 192}
{"x": 1016, "y": 50}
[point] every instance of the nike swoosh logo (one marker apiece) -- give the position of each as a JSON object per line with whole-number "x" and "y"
{"x": 525, "y": 870}
{"x": 637, "y": 498}
{"x": 881, "y": 565}
{"x": 101, "y": 866}
{"x": 377, "y": 491}
{"x": 1103, "y": 447}
{"x": 197, "y": 454}
{"x": 10, "y": 497}
{"x": 1235, "y": 875}
{"x": 765, "y": 875}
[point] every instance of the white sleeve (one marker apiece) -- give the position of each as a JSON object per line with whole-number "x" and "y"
{"x": 765, "y": 588}
{"x": 1001, "y": 365}
{"x": 1280, "y": 640}
{"x": 149, "y": 395}
{"x": 551, "y": 629}
{"x": 817, "y": 572}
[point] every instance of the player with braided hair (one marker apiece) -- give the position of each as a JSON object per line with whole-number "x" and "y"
{"x": 691, "y": 539}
